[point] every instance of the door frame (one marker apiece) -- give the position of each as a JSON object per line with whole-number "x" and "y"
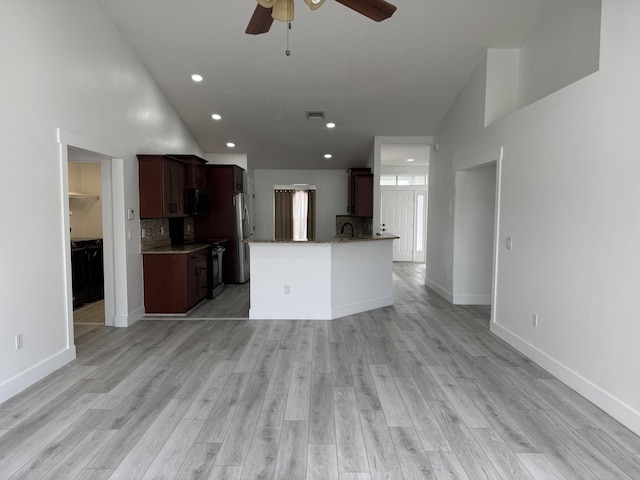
{"x": 113, "y": 223}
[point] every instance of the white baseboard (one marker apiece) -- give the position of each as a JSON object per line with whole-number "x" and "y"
{"x": 290, "y": 314}
{"x": 592, "y": 392}
{"x": 319, "y": 313}
{"x": 22, "y": 380}
{"x": 122, "y": 321}
{"x": 364, "y": 306}
{"x": 443, "y": 292}
{"x": 136, "y": 315}
{"x": 470, "y": 299}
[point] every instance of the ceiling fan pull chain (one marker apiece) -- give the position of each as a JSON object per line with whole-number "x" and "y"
{"x": 287, "y": 52}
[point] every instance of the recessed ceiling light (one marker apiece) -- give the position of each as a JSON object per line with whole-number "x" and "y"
{"x": 231, "y": 144}
{"x": 328, "y": 155}
{"x": 196, "y": 77}
{"x": 410, "y": 160}
{"x": 216, "y": 116}
{"x": 331, "y": 125}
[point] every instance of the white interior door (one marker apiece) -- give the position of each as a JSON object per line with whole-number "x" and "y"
{"x": 397, "y": 215}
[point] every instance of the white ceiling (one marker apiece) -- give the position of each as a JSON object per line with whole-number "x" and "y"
{"x": 395, "y": 78}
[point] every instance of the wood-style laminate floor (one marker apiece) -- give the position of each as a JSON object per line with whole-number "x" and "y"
{"x": 90, "y": 313}
{"x": 417, "y": 390}
{"x": 232, "y": 302}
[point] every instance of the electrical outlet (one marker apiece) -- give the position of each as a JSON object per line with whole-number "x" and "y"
{"x": 287, "y": 289}
{"x": 161, "y": 231}
{"x": 19, "y": 343}
{"x": 142, "y": 233}
{"x": 534, "y": 320}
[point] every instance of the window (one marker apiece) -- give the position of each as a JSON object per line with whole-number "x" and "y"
{"x": 388, "y": 180}
{"x": 402, "y": 180}
{"x": 294, "y": 213}
{"x": 420, "y": 223}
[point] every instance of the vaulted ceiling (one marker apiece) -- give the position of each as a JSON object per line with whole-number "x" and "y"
{"x": 395, "y": 78}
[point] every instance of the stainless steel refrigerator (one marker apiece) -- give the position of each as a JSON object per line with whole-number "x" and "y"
{"x": 242, "y": 232}
{"x": 228, "y": 220}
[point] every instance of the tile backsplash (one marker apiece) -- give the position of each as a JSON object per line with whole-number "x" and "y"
{"x": 362, "y": 226}
{"x": 156, "y": 233}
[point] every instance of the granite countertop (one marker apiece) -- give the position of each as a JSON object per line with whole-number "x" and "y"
{"x": 331, "y": 240}
{"x": 189, "y": 248}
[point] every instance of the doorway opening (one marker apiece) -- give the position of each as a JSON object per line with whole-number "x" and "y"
{"x": 476, "y": 219}
{"x": 402, "y": 178}
{"x": 86, "y": 235}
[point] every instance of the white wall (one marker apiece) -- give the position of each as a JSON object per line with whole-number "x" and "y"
{"x": 562, "y": 49}
{"x": 239, "y": 159}
{"x": 502, "y": 83}
{"x": 465, "y": 120}
{"x": 331, "y": 198}
{"x": 404, "y": 169}
{"x": 85, "y": 216}
{"x": 569, "y": 198}
{"x": 64, "y": 65}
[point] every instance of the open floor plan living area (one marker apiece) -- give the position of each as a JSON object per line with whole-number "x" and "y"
{"x": 316, "y": 239}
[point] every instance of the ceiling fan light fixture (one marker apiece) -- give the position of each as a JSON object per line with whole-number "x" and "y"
{"x": 266, "y": 3}
{"x": 314, "y": 4}
{"x": 282, "y": 10}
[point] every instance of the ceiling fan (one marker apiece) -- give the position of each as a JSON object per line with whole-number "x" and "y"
{"x": 268, "y": 10}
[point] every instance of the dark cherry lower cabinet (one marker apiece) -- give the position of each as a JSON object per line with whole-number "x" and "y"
{"x": 174, "y": 282}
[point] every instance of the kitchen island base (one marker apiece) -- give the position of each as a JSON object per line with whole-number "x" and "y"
{"x": 320, "y": 280}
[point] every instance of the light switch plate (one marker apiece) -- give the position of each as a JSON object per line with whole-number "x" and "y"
{"x": 509, "y": 243}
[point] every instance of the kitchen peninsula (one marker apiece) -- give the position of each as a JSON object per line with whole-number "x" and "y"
{"x": 320, "y": 279}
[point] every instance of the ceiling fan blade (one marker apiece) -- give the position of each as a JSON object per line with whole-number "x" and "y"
{"x": 260, "y": 22}
{"x": 377, "y": 10}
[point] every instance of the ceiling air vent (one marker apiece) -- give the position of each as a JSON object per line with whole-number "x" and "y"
{"x": 315, "y": 115}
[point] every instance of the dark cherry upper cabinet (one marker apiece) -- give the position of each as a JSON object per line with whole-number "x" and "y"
{"x": 196, "y": 173}
{"x": 162, "y": 186}
{"x": 360, "y": 192}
